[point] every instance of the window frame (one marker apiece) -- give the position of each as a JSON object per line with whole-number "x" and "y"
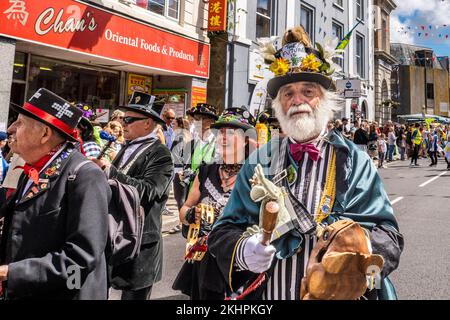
{"x": 312, "y": 32}
{"x": 339, "y": 3}
{"x": 268, "y": 17}
{"x": 166, "y": 10}
{"x": 341, "y": 26}
{"x": 361, "y": 56}
{"x": 360, "y": 9}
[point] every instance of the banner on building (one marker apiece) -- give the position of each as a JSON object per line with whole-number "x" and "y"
{"x": 217, "y": 15}
{"x": 82, "y": 28}
{"x": 140, "y": 83}
{"x": 198, "y": 92}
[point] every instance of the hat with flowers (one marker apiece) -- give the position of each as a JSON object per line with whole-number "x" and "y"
{"x": 203, "y": 109}
{"x": 238, "y": 117}
{"x": 297, "y": 61}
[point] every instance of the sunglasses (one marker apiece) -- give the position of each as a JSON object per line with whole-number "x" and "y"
{"x": 170, "y": 118}
{"x": 130, "y": 120}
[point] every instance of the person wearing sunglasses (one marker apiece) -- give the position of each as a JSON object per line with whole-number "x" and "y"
{"x": 169, "y": 134}
{"x": 146, "y": 164}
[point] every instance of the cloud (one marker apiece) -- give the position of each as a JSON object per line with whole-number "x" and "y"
{"x": 397, "y": 36}
{"x": 416, "y": 13}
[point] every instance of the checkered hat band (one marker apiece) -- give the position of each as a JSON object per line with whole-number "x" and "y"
{"x": 49, "y": 118}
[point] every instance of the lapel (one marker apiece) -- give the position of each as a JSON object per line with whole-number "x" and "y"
{"x": 119, "y": 156}
{"x": 47, "y": 178}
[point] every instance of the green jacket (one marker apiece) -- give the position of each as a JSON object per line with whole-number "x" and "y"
{"x": 360, "y": 196}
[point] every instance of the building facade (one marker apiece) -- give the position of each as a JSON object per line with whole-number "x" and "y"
{"x": 384, "y": 61}
{"x": 420, "y": 83}
{"x": 234, "y": 61}
{"x": 97, "y": 52}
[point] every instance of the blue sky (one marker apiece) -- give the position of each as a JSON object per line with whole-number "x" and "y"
{"x": 416, "y": 16}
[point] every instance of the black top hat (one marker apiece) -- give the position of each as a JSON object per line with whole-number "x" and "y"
{"x": 295, "y": 62}
{"x": 145, "y": 104}
{"x": 51, "y": 109}
{"x": 238, "y": 117}
{"x": 203, "y": 109}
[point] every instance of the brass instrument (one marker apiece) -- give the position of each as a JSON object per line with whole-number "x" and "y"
{"x": 196, "y": 241}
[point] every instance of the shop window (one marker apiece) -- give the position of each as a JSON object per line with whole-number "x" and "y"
{"x": 339, "y": 2}
{"x": 263, "y": 18}
{"x": 168, "y": 8}
{"x": 20, "y": 66}
{"x": 96, "y": 87}
{"x": 307, "y": 20}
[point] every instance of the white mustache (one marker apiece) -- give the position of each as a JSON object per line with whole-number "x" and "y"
{"x": 299, "y": 108}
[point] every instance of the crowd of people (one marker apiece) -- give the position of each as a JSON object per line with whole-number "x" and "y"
{"x": 394, "y": 141}
{"x": 57, "y": 202}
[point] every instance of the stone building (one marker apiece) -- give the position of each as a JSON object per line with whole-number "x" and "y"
{"x": 420, "y": 83}
{"x": 384, "y": 61}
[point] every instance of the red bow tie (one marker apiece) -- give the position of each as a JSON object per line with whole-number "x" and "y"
{"x": 297, "y": 151}
{"x": 32, "y": 170}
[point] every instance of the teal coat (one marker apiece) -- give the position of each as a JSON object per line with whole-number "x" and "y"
{"x": 360, "y": 196}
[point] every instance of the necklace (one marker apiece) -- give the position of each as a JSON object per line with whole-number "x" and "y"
{"x": 228, "y": 175}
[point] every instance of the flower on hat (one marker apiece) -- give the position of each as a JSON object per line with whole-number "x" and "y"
{"x": 310, "y": 63}
{"x": 279, "y": 67}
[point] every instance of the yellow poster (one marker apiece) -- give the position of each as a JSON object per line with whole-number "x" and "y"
{"x": 139, "y": 83}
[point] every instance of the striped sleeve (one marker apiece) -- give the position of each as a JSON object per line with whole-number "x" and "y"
{"x": 240, "y": 261}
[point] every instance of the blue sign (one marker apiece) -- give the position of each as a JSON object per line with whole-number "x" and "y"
{"x": 348, "y": 85}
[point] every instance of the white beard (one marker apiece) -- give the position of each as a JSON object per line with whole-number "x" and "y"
{"x": 306, "y": 126}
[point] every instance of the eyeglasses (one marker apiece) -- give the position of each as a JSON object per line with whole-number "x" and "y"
{"x": 130, "y": 120}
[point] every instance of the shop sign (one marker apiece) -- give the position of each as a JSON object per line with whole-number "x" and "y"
{"x": 198, "y": 92}
{"x": 139, "y": 83}
{"x": 217, "y": 15}
{"x": 76, "y": 26}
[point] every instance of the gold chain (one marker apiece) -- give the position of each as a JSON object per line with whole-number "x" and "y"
{"x": 329, "y": 194}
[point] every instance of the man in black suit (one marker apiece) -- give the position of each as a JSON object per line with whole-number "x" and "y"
{"x": 147, "y": 165}
{"x": 56, "y": 223}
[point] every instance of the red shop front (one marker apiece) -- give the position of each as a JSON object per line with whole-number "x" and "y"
{"x": 87, "y": 54}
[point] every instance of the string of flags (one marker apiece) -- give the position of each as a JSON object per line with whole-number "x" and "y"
{"x": 426, "y": 31}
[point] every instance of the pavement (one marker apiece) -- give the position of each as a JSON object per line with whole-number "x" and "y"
{"x": 421, "y": 200}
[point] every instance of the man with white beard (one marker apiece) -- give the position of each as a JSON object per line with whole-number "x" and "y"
{"x": 312, "y": 160}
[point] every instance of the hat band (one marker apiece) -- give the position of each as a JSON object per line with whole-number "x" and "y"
{"x": 49, "y": 118}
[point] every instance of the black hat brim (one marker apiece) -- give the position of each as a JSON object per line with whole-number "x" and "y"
{"x": 151, "y": 115}
{"x": 35, "y": 117}
{"x": 232, "y": 124}
{"x": 274, "y": 84}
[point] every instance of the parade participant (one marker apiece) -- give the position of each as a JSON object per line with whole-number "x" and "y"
{"x": 447, "y": 152}
{"x": 212, "y": 187}
{"x": 201, "y": 149}
{"x": 319, "y": 175}
{"x": 361, "y": 137}
{"x": 416, "y": 138}
{"x": 145, "y": 164}
{"x": 86, "y": 131}
{"x": 56, "y": 223}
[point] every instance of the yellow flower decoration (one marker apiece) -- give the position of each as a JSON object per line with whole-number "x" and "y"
{"x": 310, "y": 63}
{"x": 279, "y": 67}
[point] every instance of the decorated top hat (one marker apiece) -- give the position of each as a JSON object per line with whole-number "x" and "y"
{"x": 51, "y": 109}
{"x": 203, "y": 109}
{"x": 239, "y": 118}
{"x": 145, "y": 104}
{"x": 297, "y": 61}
